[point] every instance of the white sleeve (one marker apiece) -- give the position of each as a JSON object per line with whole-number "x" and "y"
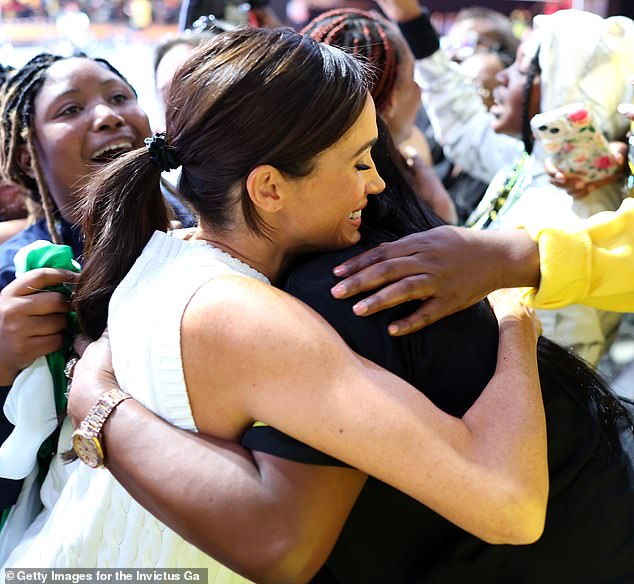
{"x": 461, "y": 123}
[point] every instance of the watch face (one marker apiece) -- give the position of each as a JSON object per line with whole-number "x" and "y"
{"x": 88, "y": 449}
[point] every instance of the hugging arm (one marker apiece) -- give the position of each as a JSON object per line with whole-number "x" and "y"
{"x": 485, "y": 472}
{"x": 450, "y": 268}
{"x": 272, "y": 520}
{"x": 303, "y": 380}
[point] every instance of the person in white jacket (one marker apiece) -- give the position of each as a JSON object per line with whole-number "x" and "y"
{"x": 572, "y": 56}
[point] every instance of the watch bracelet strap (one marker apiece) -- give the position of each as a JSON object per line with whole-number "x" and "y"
{"x": 101, "y": 410}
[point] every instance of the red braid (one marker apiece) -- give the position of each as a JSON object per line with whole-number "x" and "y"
{"x": 364, "y": 34}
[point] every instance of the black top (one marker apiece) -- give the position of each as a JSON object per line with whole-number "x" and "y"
{"x": 390, "y": 539}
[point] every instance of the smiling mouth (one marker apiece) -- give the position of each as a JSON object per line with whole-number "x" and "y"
{"x": 355, "y": 215}
{"x": 110, "y": 152}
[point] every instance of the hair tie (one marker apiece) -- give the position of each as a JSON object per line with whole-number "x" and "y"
{"x": 161, "y": 153}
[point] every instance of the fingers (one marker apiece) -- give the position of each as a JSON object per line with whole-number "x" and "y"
{"x": 406, "y": 289}
{"x": 38, "y": 280}
{"x": 557, "y": 177}
{"x": 380, "y": 274}
{"x": 618, "y": 150}
{"x": 46, "y": 325}
{"x": 627, "y": 109}
{"x": 97, "y": 356}
{"x": 37, "y": 346}
{"x": 429, "y": 312}
{"x": 42, "y": 304}
{"x": 80, "y": 343}
{"x": 395, "y": 249}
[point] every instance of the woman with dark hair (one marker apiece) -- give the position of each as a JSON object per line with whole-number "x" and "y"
{"x": 184, "y": 316}
{"x": 389, "y": 537}
{"x": 555, "y": 66}
{"x": 395, "y": 93}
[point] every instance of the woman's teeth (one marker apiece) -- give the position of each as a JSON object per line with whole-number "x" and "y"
{"x": 355, "y": 215}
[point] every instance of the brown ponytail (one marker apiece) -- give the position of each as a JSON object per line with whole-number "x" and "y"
{"x": 121, "y": 208}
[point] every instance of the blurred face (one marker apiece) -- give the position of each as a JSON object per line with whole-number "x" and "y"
{"x": 85, "y": 116}
{"x": 508, "y": 109}
{"x": 324, "y": 209}
{"x": 400, "y": 113}
{"x": 11, "y": 202}
{"x": 168, "y": 65}
{"x": 481, "y": 70}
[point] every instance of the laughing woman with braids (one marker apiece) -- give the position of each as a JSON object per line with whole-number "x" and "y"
{"x": 572, "y": 56}
{"x": 62, "y": 120}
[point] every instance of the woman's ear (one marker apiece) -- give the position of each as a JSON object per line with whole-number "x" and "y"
{"x": 25, "y": 161}
{"x": 265, "y": 187}
{"x": 388, "y": 110}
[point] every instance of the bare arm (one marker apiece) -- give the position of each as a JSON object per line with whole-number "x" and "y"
{"x": 271, "y": 519}
{"x": 487, "y": 472}
{"x": 300, "y": 509}
{"x": 446, "y": 268}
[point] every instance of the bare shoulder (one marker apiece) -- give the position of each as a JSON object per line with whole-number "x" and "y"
{"x": 245, "y": 310}
{"x": 242, "y": 338}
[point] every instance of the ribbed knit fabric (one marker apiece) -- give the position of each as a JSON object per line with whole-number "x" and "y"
{"x": 95, "y": 522}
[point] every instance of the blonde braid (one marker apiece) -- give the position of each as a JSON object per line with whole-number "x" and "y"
{"x": 48, "y": 205}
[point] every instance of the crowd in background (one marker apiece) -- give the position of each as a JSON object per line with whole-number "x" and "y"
{"x": 272, "y": 144}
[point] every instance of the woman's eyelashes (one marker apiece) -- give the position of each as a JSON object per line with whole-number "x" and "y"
{"x": 69, "y": 110}
{"x": 120, "y": 98}
{"x": 362, "y": 167}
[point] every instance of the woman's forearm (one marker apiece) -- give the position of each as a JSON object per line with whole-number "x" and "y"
{"x": 509, "y": 429}
{"x": 269, "y": 519}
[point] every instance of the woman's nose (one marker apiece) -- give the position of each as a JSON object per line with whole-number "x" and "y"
{"x": 106, "y": 117}
{"x": 376, "y": 184}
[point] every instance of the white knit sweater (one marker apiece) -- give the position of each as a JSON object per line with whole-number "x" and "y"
{"x": 94, "y": 522}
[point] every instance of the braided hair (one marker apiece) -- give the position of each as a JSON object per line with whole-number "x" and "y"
{"x": 363, "y": 34}
{"x": 527, "y": 134}
{"x": 16, "y": 129}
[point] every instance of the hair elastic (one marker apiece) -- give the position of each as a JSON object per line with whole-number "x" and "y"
{"x": 161, "y": 153}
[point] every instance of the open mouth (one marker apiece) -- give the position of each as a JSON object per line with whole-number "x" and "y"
{"x": 110, "y": 152}
{"x": 355, "y": 215}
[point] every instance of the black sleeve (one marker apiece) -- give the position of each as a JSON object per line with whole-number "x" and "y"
{"x": 420, "y": 35}
{"x": 311, "y": 283}
{"x": 272, "y": 441}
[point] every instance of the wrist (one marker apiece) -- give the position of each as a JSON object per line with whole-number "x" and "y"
{"x": 405, "y": 11}
{"x": 420, "y": 34}
{"x": 517, "y": 257}
{"x": 524, "y": 259}
{"x": 87, "y": 439}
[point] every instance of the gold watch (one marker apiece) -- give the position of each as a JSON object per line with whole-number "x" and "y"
{"x": 87, "y": 438}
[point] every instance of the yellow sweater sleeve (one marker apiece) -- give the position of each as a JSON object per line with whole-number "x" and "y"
{"x": 592, "y": 264}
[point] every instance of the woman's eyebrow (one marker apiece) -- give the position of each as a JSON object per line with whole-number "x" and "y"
{"x": 365, "y": 147}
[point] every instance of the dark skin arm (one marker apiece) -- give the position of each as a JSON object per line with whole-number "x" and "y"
{"x": 274, "y": 520}
{"x": 446, "y": 268}
{"x": 32, "y": 321}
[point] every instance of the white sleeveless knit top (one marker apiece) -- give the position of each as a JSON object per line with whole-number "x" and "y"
{"x": 94, "y": 521}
